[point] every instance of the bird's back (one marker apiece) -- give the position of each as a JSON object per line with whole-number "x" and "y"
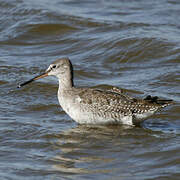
{"x": 111, "y": 106}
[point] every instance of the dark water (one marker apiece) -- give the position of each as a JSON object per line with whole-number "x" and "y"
{"x": 134, "y": 45}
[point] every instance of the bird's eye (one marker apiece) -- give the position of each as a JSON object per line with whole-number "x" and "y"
{"x": 54, "y": 66}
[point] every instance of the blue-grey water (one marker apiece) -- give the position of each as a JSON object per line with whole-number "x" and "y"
{"x": 132, "y": 44}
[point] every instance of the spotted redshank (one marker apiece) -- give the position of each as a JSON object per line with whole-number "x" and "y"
{"x": 93, "y": 106}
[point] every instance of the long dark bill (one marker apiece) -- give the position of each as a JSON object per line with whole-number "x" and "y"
{"x": 33, "y": 79}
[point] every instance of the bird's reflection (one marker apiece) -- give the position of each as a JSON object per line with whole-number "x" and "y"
{"x": 87, "y": 149}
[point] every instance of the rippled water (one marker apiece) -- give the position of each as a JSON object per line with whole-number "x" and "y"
{"x": 134, "y": 45}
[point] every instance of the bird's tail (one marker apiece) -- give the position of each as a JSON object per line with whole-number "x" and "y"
{"x": 161, "y": 102}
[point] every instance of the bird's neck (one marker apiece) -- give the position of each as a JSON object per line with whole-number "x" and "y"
{"x": 66, "y": 81}
{"x": 65, "y": 84}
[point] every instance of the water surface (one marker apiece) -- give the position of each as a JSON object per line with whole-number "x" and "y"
{"x": 134, "y": 45}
